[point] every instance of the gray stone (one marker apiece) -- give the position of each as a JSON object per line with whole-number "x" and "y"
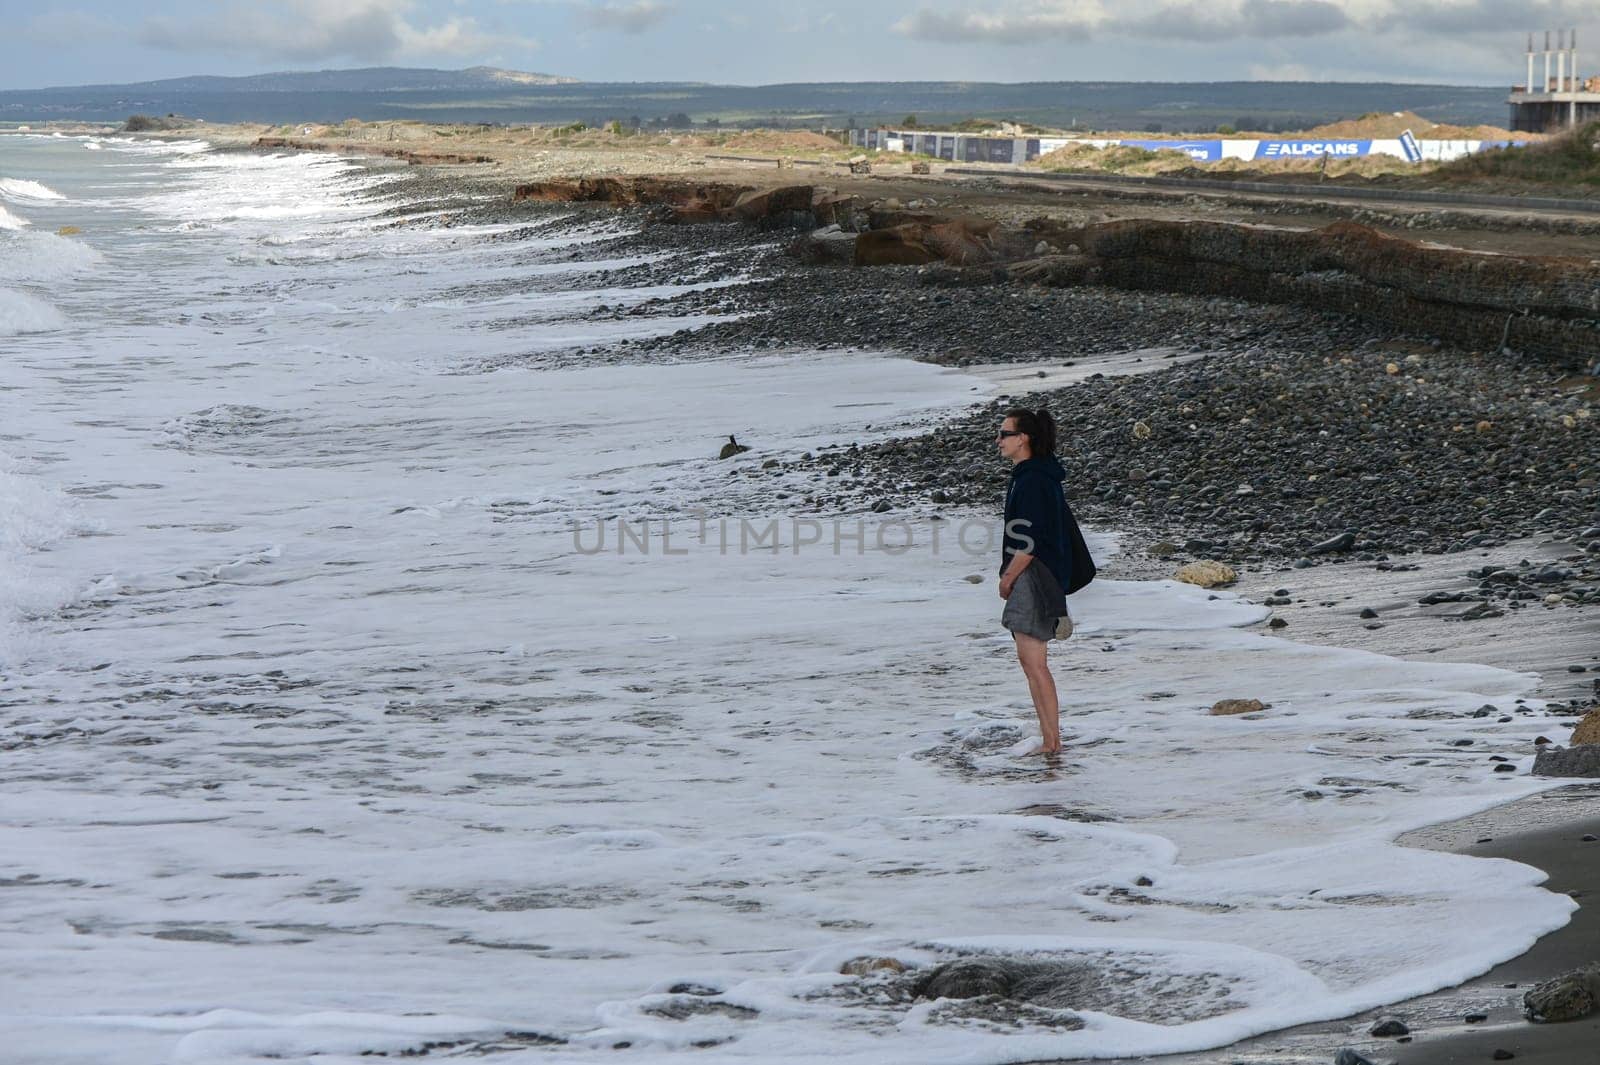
{"x": 1389, "y": 1027}
{"x": 1055, "y": 985}
{"x": 866, "y": 965}
{"x": 681, "y": 1009}
{"x": 967, "y": 978}
{"x": 1228, "y": 707}
{"x": 1346, "y": 1056}
{"x": 693, "y": 989}
{"x": 1343, "y": 542}
{"x": 1553, "y": 761}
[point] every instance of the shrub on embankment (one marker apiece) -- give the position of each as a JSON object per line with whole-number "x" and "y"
{"x": 149, "y": 123}
{"x": 1570, "y": 159}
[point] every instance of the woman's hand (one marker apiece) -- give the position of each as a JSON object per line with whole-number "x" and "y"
{"x": 1006, "y": 584}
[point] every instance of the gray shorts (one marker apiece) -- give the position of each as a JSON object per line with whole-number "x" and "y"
{"x": 1028, "y": 610}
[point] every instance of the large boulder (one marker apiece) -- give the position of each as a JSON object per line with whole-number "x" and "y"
{"x": 1570, "y": 997}
{"x": 1206, "y": 574}
{"x": 1229, "y": 707}
{"x": 829, "y": 244}
{"x": 1580, "y": 761}
{"x": 897, "y": 246}
{"x": 788, "y": 205}
{"x": 833, "y": 209}
{"x": 962, "y": 241}
{"x": 1588, "y": 730}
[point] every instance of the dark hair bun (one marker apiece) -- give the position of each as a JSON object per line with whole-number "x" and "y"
{"x": 1040, "y": 428}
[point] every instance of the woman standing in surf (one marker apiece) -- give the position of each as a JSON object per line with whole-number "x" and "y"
{"x": 1041, "y": 547}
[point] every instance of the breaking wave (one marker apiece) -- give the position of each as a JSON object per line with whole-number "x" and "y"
{"x": 22, "y": 313}
{"x": 32, "y": 517}
{"x": 32, "y": 256}
{"x": 21, "y": 189}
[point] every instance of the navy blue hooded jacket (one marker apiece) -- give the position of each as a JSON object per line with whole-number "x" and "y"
{"x": 1036, "y": 510}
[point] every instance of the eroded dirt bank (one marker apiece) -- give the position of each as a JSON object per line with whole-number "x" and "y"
{"x": 1547, "y": 306}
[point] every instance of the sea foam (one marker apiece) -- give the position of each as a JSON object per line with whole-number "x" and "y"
{"x": 22, "y": 190}
{"x": 24, "y": 313}
{"x": 32, "y": 256}
{"x": 346, "y": 746}
{"x": 33, "y": 516}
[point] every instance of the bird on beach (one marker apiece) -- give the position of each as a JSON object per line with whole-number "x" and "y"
{"x": 732, "y": 448}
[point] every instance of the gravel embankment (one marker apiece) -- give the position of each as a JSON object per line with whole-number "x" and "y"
{"x": 1299, "y": 438}
{"x": 1268, "y": 457}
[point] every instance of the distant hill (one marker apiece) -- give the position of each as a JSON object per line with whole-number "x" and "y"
{"x": 485, "y": 94}
{"x": 362, "y": 80}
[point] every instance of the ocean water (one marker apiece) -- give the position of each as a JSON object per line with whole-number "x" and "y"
{"x": 325, "y": 732}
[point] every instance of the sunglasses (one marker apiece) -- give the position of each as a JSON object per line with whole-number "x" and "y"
{"x": 1004, "y": 433}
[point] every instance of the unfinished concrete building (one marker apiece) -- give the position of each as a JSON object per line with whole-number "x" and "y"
{"x": 1562, "y": 98}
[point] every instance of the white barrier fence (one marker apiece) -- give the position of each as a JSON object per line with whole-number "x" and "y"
{"x": 962, "y": 147}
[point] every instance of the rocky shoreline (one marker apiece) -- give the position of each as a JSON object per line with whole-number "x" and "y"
{"x": 1271, "y": 438}
{"x": 1295, "y": 439}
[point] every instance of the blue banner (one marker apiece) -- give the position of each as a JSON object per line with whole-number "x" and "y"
{"x": 1408, "y": 144}
{"x": 1200, "y": 151}
{"x": 1340, "y": 149}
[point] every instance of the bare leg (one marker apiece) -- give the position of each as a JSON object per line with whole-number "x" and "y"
{"x": 1042, "y": 687}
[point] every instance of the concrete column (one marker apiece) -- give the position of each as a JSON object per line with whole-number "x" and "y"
{"x": 1544, "y": 86}
{"x": 1561, "y": 60}
{"x": 1527, "y": 86}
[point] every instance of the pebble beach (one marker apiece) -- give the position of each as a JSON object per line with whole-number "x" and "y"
{"x": 308, "y": 674}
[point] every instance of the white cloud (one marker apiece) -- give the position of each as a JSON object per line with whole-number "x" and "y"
{"x": 456, "y": 37}
{"x": 306, "y": 30}
{"x": 1282, "y": 72}
{"x": 1035, "y": 21}
{"x": 69, "y": 27}
{"x": 635, "y": 17}
{"x": 1018, "y": 24}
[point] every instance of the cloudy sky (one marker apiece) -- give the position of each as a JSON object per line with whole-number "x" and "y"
{"x": 1451, "y": 41}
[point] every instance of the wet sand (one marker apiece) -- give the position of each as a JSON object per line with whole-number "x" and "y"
{"x": 1547, "y": 640}
{"x": 1545, "y": 831}
{"x": 1574, "y": 868}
